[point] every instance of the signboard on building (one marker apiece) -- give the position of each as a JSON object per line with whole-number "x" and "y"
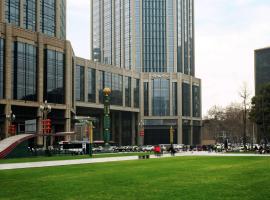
{"x": 31, "y": 126}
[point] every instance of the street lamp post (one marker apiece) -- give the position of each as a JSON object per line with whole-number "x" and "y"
{"x": 45, "y": 109}
{"x": 106, "y": 128}
{"x": 141, "y": 127}
{"x": 11, "y": 117}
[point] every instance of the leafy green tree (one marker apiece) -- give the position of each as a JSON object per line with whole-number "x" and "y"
{"x": 260, "y": 112}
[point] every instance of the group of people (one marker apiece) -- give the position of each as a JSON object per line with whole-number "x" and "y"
{"x": 159, "y": 151}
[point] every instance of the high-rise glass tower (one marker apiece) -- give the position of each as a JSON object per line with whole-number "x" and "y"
{"x": 156, "y": 39}
{"x": 147, "y": 35}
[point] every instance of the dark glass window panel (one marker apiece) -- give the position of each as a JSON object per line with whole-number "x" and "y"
{"x": 128, "y": 91}
{"x": 186, "y": 99}
{"x": 117, "y": 91}
{"x": 48, "y": 17}
{"x": 12, "y": 11}
{"x": 174, "y": 98}
{"x": 146, "y": 97}
{"x": 101, "y": 85}
{"x": 136, "y": 93}
{"x": 29, "y": 14}
{"x": 24, "y": 72}
{"x": 196, "y": 101}
{"x": 80, "y": 83}
{"x": 91, "y": 85}
{"x": 161, "y": 97}
{"x": 54, "y": 77}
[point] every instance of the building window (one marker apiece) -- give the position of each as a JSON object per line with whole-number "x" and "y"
{"x": 48, "y": 17}
{"x": 128, "y": 91}
{"x": 136, "y": 93}
{"x": 186, "y": 99}
{"x": 24, "y": 72}
{"x": 107, "y": 48}
{"x": 63, "y": 20}
{"x": 12, "y": 12}
{"x": 2, "y": 63}
{"x": 174, "y": 99}
{"x": 91, "y": 85}
{"x": 29, "y": 14}
{"x": 101, "y": 85}
{"x": 145, "y": 98}
{"x": 117, "y": 90}
{"x": 54, "y": 77}
{"x": 79, "y": 83}
{"x": 196, "y": 99}
{"x": 161, "y": 97}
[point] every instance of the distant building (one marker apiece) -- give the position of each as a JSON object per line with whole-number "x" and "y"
{"x": 262, "y": 68}
{"x": 143, "y": 50}
{"x": 156, "y": 40}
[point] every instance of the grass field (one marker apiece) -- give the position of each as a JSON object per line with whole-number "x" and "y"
{"x": 233, "y": 178}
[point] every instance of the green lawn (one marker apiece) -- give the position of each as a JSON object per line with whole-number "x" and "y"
{"x": 66, "y": 157}
{"x": 233, "y": 178}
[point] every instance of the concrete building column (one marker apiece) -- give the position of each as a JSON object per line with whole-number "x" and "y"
{"x": 86, "y": 82}
{"x": 68, "y": 85}
{"x": 132, "y": 92}
{"x": 39, "y": 127}
{"x": 67, "y": 123}
{"x": 2, "y": 11}
{"x": 150, "y": 97}
{"x": 38, "y": 8}
{"x": 97, "y": 86}
{"x": 21, "y": 12}
{"x": 7, "y": 122}
{"x": 179, "y": 110}
{"x": 133, "y": 129}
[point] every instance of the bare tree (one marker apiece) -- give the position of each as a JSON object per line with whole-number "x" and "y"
{"x": 245, "y": 95}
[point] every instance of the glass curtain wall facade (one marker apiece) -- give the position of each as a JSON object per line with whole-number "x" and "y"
{"x": 29, "y": 15}
{"x": 262, "y": 68}
{"x": 24, "y": 72}
{"x": 2, "y": 63}
{"x": 118, "y": 24}
{"x": 186, "y": 99}
{"x": 136, "y": 93}
{"x": 91, "y": 85}
{"x": 12, "y": 11}
{"x": 128, "y": 91}
{"x": 96, "y": 23}
{"x": 80, "y": 83}
{"x": 154, "y": 36}
{"x": 48, "y": 17}
{"x": 161, "y": 97}
{"x": 185, "y": 37}
{"x": 107, "y": 48}
{"x": 117, "y": 90}
{"x": 196, "y": 101}
{"x": 54, "y": 77}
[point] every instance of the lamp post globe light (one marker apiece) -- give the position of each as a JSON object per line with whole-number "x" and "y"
{"x": 45, "y": 109}
{"x": 106, "y": 127}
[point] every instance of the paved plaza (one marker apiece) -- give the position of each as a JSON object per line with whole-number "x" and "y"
{"x": 113, "y": 159}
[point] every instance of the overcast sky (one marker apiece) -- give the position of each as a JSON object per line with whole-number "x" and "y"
{"x": 226, "y": 34}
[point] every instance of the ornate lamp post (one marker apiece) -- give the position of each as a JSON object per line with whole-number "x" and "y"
{"x": 106, "y": 127}
{"x": 11, "y": 117}
{"x": 141, "y": 127}
{"x": 45, "y": 109}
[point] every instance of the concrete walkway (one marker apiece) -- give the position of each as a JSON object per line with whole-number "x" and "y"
{"x": 111, "y": 159}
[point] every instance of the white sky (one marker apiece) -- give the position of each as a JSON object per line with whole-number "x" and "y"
{"x": 226, "y": 34}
